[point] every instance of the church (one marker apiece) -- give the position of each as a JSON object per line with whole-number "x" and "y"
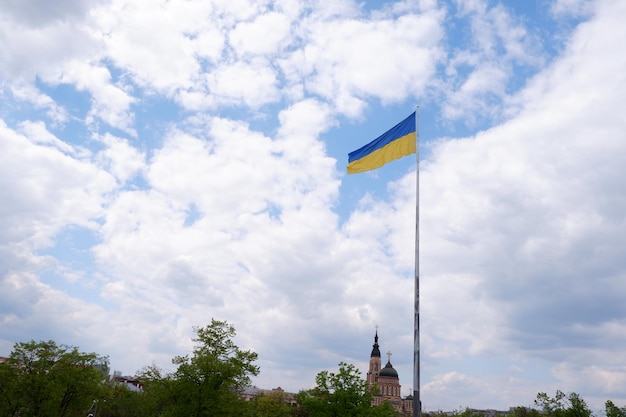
{"x": 385, "y": 382}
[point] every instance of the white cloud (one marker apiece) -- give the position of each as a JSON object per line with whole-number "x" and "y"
{"x": 389, "y": 59}
{"x": 462, "y": 384}
{"x": 522, "y": 207}
{"x": 153, "y": 40}
{"x": 25, "y": 91}
{"x": 41, "y": 12}
{"x": 45, "y": 189}
{"x": 595, "y": 376}
{"x": 121, "y": 158}
{"x": 110, "y": 102}
{"x": 252, "y": 84}
{"x": 262, "y": 36}
{"x": 576, "y": 8}
{"x": 39, "y": 134}
{"x": 32, "y": 51}
{"x": 481, "y": 72}
{"x": 62, "y": 51}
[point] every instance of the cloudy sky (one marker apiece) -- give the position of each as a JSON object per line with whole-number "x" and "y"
{"x": 163, "y": 163}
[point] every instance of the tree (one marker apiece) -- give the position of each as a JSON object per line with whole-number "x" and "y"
{"x": 9, "y": 402}
{"x": 272, "y": 404}
{"x": 158, "y": 390}
{"x": 208, "y": 382}
{"x": 337, "y": 394}
{"x": 611, "y": 410}
{"x": 466, "y": 412}
{"x": 122, "y": 402}
{"x": 563, "y": 405}
{"x": 524, "y": 412}
{"x": 384, "y": 410}
{"x": 48, "y": 380}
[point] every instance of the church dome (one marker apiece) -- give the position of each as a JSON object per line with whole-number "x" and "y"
{"x": 388, "y": 371}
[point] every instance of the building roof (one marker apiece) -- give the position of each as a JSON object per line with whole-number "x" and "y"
{"x": 388, "y": 371}
{"x": 375, "y": 349}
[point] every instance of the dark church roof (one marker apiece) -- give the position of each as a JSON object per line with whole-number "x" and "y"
{"x": 388, "y": 371}
{"x": 375, "y": 350}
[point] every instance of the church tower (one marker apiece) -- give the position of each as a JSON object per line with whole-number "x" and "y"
{"x": 385, "y": 381}
{"x": 372, "y": 374}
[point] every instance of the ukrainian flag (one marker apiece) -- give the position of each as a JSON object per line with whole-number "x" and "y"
{"x": 395, "y": 143}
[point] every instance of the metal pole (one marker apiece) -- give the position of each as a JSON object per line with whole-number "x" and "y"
{"x": 417, "y": 404}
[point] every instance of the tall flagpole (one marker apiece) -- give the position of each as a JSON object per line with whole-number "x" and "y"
{"x": 417, "y": 403}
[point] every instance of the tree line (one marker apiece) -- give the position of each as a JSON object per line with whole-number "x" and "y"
{"x": 44, "y": 379}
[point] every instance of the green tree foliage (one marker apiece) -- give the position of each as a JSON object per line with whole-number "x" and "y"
{"x": 341, "y": 394}
{"x": 611, "y": 410}
{"x": 206, "y": 383}
{"x": 42, "y": 379}
{"x": 120, "y": 401}
{"x": 8, "y": 387}
{"x": 272, "y": 404}
{"x": 158, "y": 393}
{"x": 524, "y": 412}
{"x": 383, "y": 410}
{"x": 563, "y": 405}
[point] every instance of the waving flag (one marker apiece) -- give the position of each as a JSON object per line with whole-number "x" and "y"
{"x": 395, "y": 143}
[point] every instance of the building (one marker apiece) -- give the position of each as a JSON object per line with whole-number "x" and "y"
{"x": 385, "y": 382}
{"x": 129, "y": 382}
